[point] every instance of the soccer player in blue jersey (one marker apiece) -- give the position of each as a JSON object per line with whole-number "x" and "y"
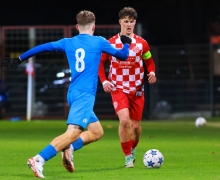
{"x": 83, "y": 53}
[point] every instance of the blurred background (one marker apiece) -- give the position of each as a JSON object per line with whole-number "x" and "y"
{"x": 184, "y": 36}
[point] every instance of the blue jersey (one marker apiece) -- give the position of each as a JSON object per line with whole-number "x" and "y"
{"x": 83, "y": 53}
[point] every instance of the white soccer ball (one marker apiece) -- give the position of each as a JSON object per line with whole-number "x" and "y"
{"x": 200, "y": 121}
{"x": 153, "y": 158}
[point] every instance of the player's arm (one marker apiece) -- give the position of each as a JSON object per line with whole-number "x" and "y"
{"x": 149, "y": 62}
{"x": 56, "y": 46}
{"x": 101, "y": 72}
{"x": 121, "y": 54}
{"x": 12, "y": 63}
{"x": 47, "y": 47}
{"x": 107, "y": 86}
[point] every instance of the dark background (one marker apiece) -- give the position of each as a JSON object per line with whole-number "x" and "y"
{"x": 178, "y": 31}
{"x": 164, "y": 21}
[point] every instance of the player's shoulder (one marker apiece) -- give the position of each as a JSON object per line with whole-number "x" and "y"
{"x": 66, "y": 39}
{"x": 139, "y": 38}
{"x": 114, "y": 39}
{"x": 98, "y": 38}
{"x": 61, "y": 41}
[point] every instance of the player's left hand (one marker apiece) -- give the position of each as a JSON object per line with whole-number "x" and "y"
{"x": 151, "y": 78}
{"x": 10, "y": 63}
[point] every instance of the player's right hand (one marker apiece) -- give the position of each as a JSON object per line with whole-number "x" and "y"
{"x": 151, "y": 77}
{"x": 10, "y": 63}
{"x": 107, "y": 86}
{"x": 125, "y": 39}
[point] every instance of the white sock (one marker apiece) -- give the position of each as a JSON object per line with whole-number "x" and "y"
{"x": 71, "y": 148}
{"x": 39, "y": 158}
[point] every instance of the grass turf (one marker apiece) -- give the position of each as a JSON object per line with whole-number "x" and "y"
{"x": 190, "y": 153}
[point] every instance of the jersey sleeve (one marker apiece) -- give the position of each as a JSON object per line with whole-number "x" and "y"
{"x": 101, "y": 72}
{"x": 146, "y": 50}
{"x": 57, "y": 46}
{"x": 36, "y": 50}
{"x": 147, "y": 58}
{"x": 121, "y": 54}
{"x": 150, "y": 65}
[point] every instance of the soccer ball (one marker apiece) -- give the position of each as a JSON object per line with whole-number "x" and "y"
{"x": 200, "y": 121}
{"x": 153, "y": 158}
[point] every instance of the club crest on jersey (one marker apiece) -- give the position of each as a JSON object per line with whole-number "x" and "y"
{"x": 135, "y": 49}
{"x": 115, "y": 104}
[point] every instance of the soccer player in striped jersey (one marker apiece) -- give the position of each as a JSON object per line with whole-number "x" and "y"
{"x": 83, "y": 53}
{"x": 126, "y": 83}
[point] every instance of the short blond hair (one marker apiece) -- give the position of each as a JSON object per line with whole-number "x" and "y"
{"x": 85, "y": 17}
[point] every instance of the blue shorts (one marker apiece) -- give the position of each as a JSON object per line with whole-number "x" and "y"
{"x": 81, "y": 108}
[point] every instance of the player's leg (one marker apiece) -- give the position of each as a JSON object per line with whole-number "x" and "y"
{"x": 121, "y": 105}
{"x": 57, "y": 144}
{"x": 136, "y": 111}
{"x": 94, "y": 132}
{"x": 75, "y": 127}
{"x": 135, "y": 136}
{"x": 125, "y": 136}
{"x": 67, "y": 156}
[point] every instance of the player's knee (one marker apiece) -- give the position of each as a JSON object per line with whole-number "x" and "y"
{"x": 124, "y": 118}
{"x": 99, "y": 134}
{"x": 135, "y": 125}
{"x": 71, "y": 138}
{"x": 136, "y": 129}
{"x": 72, "y": 135}
{"x": 96, "y": 133}
{"x": 124, "y": 123}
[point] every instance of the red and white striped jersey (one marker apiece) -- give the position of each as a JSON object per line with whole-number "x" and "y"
{"x": 126, "y": 75}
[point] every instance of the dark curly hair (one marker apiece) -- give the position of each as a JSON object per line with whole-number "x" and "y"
{"x": 127, "y": 11}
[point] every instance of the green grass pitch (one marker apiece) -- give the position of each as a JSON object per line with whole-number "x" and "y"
{"x": 190, "y": 153}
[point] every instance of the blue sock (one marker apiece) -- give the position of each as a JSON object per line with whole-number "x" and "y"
{"x": 48, "y": 152}
{"x": 78, "y": 144}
